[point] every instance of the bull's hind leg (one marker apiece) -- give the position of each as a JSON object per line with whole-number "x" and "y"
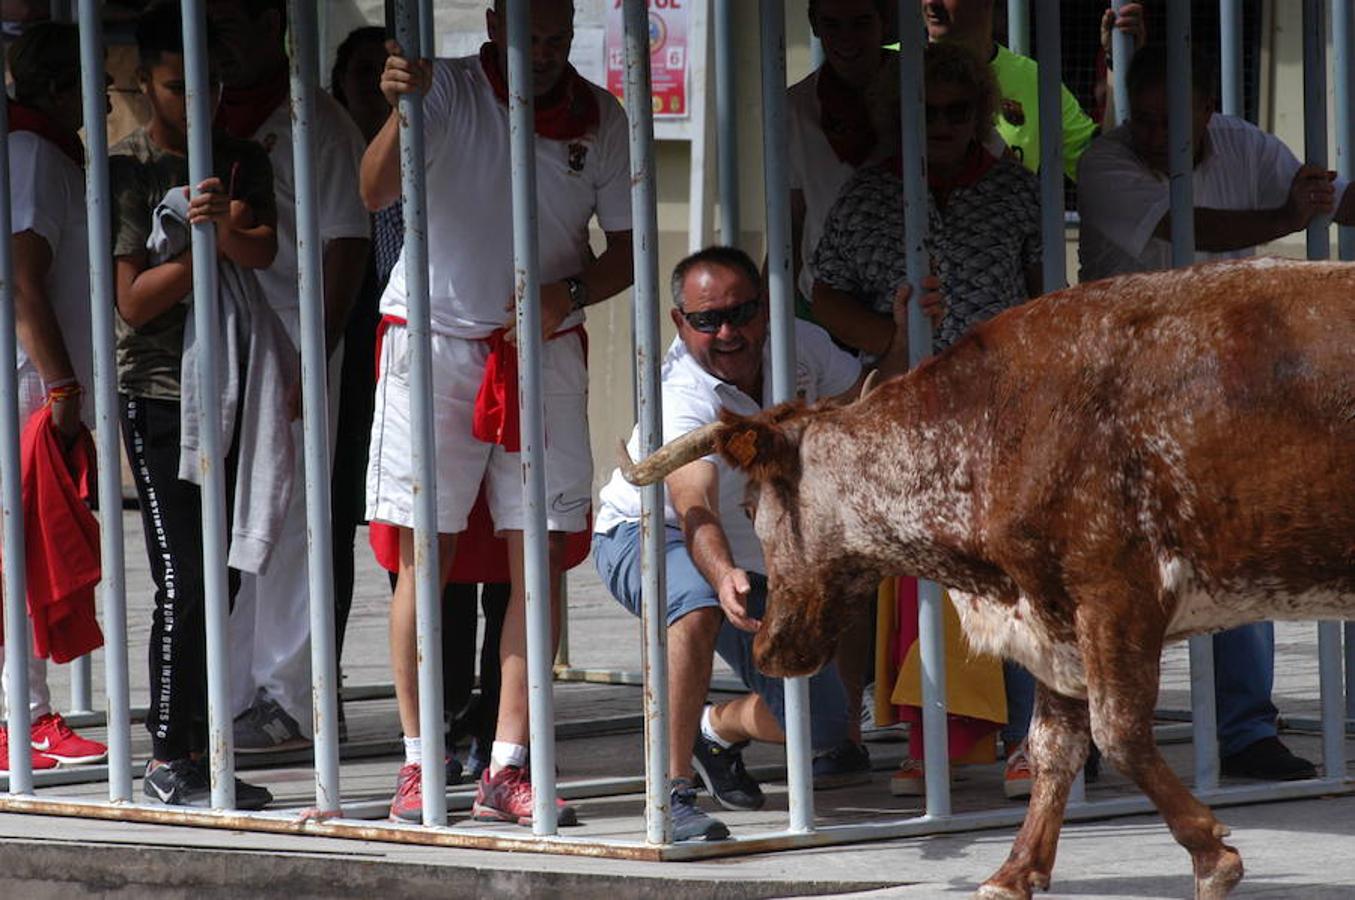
{"x": 1122, "y": 662}
{"x": 1057, "y": 747}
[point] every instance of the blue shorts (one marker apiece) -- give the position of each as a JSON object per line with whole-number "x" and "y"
{"x": 617, "y": 555}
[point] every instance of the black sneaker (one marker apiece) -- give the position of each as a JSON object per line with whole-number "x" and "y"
{"x": 845, "y": 764}
{"x": 1267, "y": 760}
{"x": 266, "y": 727}
{"x": 179, "y": 782}
{"x": 690, "y": 822}
{"x": 721, "y": 771}
{"x": 455, "y": 771}
{"x": 247, "y": 796}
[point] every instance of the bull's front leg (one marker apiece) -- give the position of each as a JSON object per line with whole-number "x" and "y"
{"x": 1058, "y": 745}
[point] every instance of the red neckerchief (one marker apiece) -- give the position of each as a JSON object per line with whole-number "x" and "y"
{"x": 844, "y": 118}
{"x": 26, "y": 118}
{"x": 566, "y": 113}
{"x": 243, "y": 110}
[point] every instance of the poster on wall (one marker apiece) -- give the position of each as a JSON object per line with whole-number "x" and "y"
{"x": 668, "y": 55}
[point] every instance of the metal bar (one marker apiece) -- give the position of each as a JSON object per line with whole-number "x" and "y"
{"x": 113, "y": 584}
{"x": 1230, "y": 56}
{"x": 830, "y": 835}
{"x": 776, "y": 174}
{"x": 211, "y": 453}
{"x": 1333, "y": 700}
{"x": 1050, "y": 55}
{"x": 644, "y": 218}
{"x": 1121, "y": 52}
{"x": 82, "y": 669}
{"x": 1018, "y": 27}
{"x": 427, "y": 581}
{"x": 1349, "y": 631}
{"x": 1343, "y": 50}
{"x": 526, "y": 279}
{"x": 427, "y": 30}
{"x": 930, "y": 619}
{"x": 314, "y": 386}
{"x": 11, "y": 496}
{"x": 815, "y": 52}
{"x": 1315, "y": 113}
{"x": 727, "y": 124}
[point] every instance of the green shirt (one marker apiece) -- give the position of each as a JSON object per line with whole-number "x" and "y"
{"x": 1018, "y": 120}
{"x": 140, "y": 173}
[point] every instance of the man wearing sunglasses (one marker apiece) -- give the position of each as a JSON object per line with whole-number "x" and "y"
{"x": 715, "y": 581}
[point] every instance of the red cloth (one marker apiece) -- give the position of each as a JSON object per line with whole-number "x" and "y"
{"x": 61, "y": 551}
{"x": 567, "y": 112}
{"x": 481, "y": 557}
{"x": 26, "y": 118}
{"x": 977, "y": 163}
{"x": 243, "y": 110}
{"x": 844, "y": 117}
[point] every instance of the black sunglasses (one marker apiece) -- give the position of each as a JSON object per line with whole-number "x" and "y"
{"x": 955, "y": 114}
{"x": 708, "y": 321}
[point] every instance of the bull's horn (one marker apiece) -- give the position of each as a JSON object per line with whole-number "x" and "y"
{"x": 671, "y": 456}
{"x": 870, "y": 384}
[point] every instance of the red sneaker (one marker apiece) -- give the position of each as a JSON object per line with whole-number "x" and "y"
{"x": 407, "y": 804}
{"x": 507, "y": 797}
{"x": 52, "y": 737}
{"x": 39, "y": 761}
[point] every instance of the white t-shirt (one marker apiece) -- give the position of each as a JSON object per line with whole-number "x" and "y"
{"x": 814, "y": 168}
{"x": 1121, "y": 200}
{"x": 470, "y": 201}
{"x": 692, "y": 397}
{"x": 338, "y": 148}
{"x": 47, "y": 197}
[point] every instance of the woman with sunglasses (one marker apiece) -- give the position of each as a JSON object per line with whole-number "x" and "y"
{"x": 983, "y": 241}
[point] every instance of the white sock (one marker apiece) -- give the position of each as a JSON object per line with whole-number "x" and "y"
{"x": 708, "y": 730}
{"x": 413, "y": 750}
{"x": 504, "y": 754}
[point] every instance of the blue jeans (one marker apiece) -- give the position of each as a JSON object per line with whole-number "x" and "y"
{"x": 1244, "y": 674}
{"x": 617, "y": 556}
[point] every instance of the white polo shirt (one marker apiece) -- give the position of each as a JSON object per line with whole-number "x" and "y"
{"x": 338, "y": 155}
{"x": 47, "y": 197}
{"x": 693, "y": 397}
{"x": 470, "y": 201}
{"x": 1121, "y": 200}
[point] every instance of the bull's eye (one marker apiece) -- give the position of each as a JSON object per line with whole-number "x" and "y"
{"x": 749, "y": 504}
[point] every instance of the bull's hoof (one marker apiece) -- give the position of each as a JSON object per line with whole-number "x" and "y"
{"x": 993, "y": 890}
{"x": 1221, "y": 877}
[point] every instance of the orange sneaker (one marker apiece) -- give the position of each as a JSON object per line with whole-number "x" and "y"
{"x": 507, "y": 797}
{"x": 1017, "y": 778}
{"x": 909, "y": 779}
{"x": 54, "y": 738}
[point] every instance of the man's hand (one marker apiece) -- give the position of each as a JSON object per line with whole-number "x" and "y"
{"x": 932, "y": 303}
{"x": 1129, "y": 19}
{"x": 401, "y": 76}
{"x": 1311, "y": 194}
{"x": 733, "y": 591}
{"x": 555, "y": 306}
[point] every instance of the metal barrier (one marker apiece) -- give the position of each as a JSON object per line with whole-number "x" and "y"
{"x": 414, "y": 30}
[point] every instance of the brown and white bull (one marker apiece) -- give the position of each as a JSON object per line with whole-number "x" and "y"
{"x": 1094, "y": 474}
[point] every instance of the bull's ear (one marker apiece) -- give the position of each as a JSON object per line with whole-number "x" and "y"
{"x": 763, "y": 450}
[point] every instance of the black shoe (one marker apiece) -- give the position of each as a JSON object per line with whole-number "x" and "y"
{"x": 248, "y": 796}
{"x": 454, "y": 770}
{"x": 722, "y": 772}
{"x": 477, "y": 760}
{"x": 1267, "y": 760}
{"x": 845, "y": 764}
{"x": 179, "y": 782}
{"x": 690, "y": 822}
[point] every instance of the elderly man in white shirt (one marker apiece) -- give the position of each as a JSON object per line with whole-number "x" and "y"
{"x": 716, "y": 589}
{"x": 1249, "y": 189}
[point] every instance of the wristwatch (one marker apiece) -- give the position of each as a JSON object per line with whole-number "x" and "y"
{"x": 578, "y": 294}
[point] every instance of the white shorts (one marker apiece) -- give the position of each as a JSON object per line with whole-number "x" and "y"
{"x": 464, "y": 462}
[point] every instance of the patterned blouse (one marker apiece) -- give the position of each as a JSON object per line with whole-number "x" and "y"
{"x": 981, "y": 243}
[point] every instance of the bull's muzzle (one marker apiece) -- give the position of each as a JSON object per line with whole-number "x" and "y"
{"x": 782, "y": 650}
